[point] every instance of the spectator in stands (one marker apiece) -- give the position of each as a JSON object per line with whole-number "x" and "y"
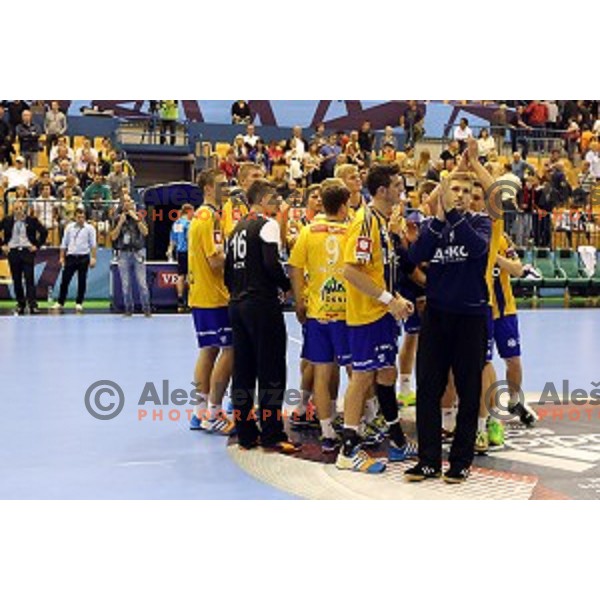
{"x": 70, "y": 202}
{"x": 518, "y": 132}
{"x": 572, "y": 136}
{"x": 6, "y": 148}
{"x": 511, "y": 190}
{"x": 319, "y": 137}
{"x": 18, "y": 175}
{"x": 62, "y": 155}
{"x": 240, "y": 150}
{"x": 586, "y": 181}
{"x": 498, "y": 122}
{"x": 552, "y": 108}
{"x": 260, "y": 156}
{"x": 366, "y": 141}
{"x": 521, "y": 168}
{"x": 423, "y": 164}
{"x": 451, "y": 152}
{"x": 586, "y": 138}
{"x": 61, "y": 171}
{"x": 276, "y": 152}
{"x": 250, "y": 138}
{"x": 434, "y": 173}
{"x": 389, "y": 137}
{"x": 168, "y": 111}
{"x": 129, "y": 242}
{"x": 118, "y": 181}
{"x": 297, "y": 142}
{"x": 493, "y": 164}
{"x": 229, "y": 165}
{"x": 44, "y": 179}
{"x": 70, "y": 182}
{"x": 526, "y": 202}
{"x": 485, "y": 144}
{"x": 593, "y": 157}
{"x": 462, "y": 133}
{"x": 61, "y": 148}
{"x": 86, "y": 147}
{"x": 543, "y": 204}
{"x": 412, "y": 121}
{"x": 22, "y": 235}
{"x": 85, "y": 158}
{"x": 15, "y": 111}
{"x": 408, "y": 169}
{"x": 77, "y": 255}
{"x": 46, "y": 211}
{"x": 560, "y": 185}
{"x": 387, "y": 154}
{"x": 88, "y": 177}
{"x": 96, "y": 199}
{"x": 536, "y": 115}
{"x": 55, "y": 125}
{"x": 584, "y": 115}
{"x": 105, "y": 151}
{"x": 353, "y": 152}
{"x": 294, "y": 160}
{"x": 28, "y": 135}
{"x": 329, "y": 151}
{"x": 240, "y": 113}
{"x": 311, "y": 164}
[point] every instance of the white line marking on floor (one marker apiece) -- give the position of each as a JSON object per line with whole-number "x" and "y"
{"x": 293, "y": 339}
{"x": 545, "y": 461}
{"x": 144, "y": 463}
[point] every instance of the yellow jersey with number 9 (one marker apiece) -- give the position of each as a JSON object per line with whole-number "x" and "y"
{"x": 319, "y": 251}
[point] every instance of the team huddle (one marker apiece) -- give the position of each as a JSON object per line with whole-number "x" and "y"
{"x": 359, "y": 270}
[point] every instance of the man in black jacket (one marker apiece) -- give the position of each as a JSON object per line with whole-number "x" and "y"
{"x": 6, "y": 148}
{"x": 22, "y": 235}
{"x": 29, "y": 139}
{"x": 255, "y": 277}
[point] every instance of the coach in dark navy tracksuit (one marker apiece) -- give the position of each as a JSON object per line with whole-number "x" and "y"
{"x": 454, "y": 331}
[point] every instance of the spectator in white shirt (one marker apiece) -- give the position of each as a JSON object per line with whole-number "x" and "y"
{"x": 462, "y": 133}
{"x": 594, "y": 159}
{"x": 485, "y": 144}
{"x": 55, "y": 125}
{"x": 297, "y": 143}
{"x": 61, "y": 143}
{"x": 45, "y": 208}
{"x": 596, "y": 128}
{"x": 250, "y": 138}
{"x": 87, "y": 145}
{"x": 18, "y": 175}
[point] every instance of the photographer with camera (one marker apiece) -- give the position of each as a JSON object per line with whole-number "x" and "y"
{"x": 128, "y": 236}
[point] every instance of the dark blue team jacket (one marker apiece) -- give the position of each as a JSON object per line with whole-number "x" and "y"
{"x": 457, "y": 253}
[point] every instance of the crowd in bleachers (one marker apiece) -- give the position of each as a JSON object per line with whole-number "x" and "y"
{"x": 545, "y": 154}
{"x": 57, "y": 173}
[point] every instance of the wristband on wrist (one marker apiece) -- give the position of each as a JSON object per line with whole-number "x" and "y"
{"x": 385, "y": 297}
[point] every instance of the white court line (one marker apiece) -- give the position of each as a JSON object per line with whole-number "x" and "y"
{"x": 545, "y": 461}
{"x": 143, "y": 463}
{"x": 293, "y": 339}
{"x": 574, "y": 453}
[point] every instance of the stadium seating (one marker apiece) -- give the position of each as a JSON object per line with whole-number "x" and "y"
{"x": 552, "y": 276}
{"x": 567, "y": 260}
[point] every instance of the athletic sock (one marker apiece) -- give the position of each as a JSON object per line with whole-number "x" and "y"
{"x": 371, "y": 409}
{"x": 201, "y": 407}
{"x": 481, "y": 424}
{"x": 327, "y": 429}
{"x": 350, "y": 439}
{"x": 396, "y": 434}
{"x": 513, "y": 400}
{"x": 386, "y": 394}
{"x": 213, "y": 411}
{"x": 405, "y": 384}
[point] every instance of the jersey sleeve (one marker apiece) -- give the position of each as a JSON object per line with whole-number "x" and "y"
{"x": 360, "y": 242}
{"x": 298, "y": 257}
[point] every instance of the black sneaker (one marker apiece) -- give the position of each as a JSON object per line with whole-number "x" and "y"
{"x": 456, "y": 474}
{"x": 420, "y": 472}
{"x": 525, "y": 414}
{"x": 34, "y": 310}
{"x": 20, "y": 311}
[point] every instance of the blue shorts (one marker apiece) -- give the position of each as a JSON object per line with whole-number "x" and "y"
{"x": 326, "y": 342}
{"x": 212, "y": 327}
{"x": 506, "y": 336}
{"x": 489, "y": 352}
{"x": 374, "y": 346}
{"x": 303, "y": 350}
{"x": 413, "y": 323}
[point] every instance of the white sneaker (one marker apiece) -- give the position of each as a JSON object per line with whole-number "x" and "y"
{"x": 57, "y": 306}
{"x": 79, "y": 308}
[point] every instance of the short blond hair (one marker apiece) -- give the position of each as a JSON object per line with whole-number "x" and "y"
{"x": 344, "y": 171}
